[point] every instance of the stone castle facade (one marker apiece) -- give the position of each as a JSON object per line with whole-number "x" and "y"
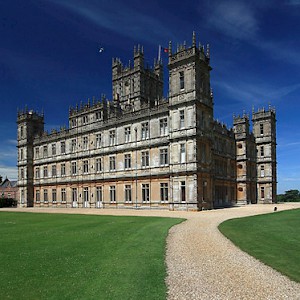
{"x": 141, "y": 150}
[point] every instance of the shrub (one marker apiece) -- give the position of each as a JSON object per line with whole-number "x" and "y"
{"x": 8, "y": 202}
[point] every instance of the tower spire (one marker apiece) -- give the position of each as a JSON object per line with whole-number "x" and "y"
{"x": 194, "y": 39}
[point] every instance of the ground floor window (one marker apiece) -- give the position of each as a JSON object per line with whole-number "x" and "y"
{"x": 22, "y": 197}
{"x": 145, "y": 192}
{"x": 164, "y": 192}
{"x": 54, "y": 195}
{"x": 63, "y": 195}
{"x": 99, "y": 194}
{"x": 37, "y": 196}
{"x": 86, "y": 194}
{"x": 45, "y": 196}
{"x": 262, "y": 192}
{"x": 74, "y": 194}
{"x": 112, "y": 194}
{"x": 128, "y": 197}
{"x": 182, "y": 191}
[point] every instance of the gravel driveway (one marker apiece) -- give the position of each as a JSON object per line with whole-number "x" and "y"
{"x": 203, "y": 264}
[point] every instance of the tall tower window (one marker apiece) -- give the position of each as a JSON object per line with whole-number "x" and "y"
{"x": 262, "y": 171}
{"x": 182, "y": 153}
{"x": 262, "y": 151}
{"x": 261, "y": 128}
{"x": 181, "y": 80}
{"x": 63, "y": 169}
{"x": 37, "y": 173}
{"x": 181, "y": 118}
{"x": 37, "y": 152}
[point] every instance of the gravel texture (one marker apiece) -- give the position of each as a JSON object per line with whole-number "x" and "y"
{"x": 202, "y": 263}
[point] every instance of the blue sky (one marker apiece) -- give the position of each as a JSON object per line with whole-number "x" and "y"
{"x": 49, "y": 59}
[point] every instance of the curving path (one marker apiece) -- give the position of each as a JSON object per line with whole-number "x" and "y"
{"x": 203, "y": 264}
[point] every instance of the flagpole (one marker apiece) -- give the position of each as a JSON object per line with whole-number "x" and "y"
{"x": 159, "y": 53}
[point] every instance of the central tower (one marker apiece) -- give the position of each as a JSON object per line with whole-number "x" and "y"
{"x": 137, "y": 86}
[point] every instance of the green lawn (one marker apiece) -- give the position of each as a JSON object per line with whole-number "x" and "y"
{"x": 56, "y": 256}
{"x": 273, "y": 239}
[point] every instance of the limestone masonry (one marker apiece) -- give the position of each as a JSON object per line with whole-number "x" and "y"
{"x": 141, "y": 150}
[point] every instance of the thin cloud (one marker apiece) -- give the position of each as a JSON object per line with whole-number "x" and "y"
{"x": 240, "y": 21}
{"x": 10, "y": 172}
{"x": 255, "y": 92}
{"x": 124, "y": 20}
{"x": 235, "y": 19}
{"x": 293, "y": 2}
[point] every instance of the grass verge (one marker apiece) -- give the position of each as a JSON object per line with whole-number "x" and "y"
{"x": 55, "y": 256}
{"x": 271, "y": 238}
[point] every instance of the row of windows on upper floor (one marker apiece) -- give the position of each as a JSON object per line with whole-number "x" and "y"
{"x": 102, "y": 139}
{"x": 98, "y": 140}
{"x": 89, "y": 166}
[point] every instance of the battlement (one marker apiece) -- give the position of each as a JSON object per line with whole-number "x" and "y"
{"x": 241, "y": 119}
{"x": 264, "y": 114}
{"x": 183, "y": 52}
{"x": 26, "y": 115}
{"x": 88, "y": 107}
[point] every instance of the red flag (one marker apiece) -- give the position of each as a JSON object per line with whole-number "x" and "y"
{"x": 166, "y": 50}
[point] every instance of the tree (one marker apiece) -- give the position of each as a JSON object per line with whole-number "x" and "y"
{"x": 289, "y": 196}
